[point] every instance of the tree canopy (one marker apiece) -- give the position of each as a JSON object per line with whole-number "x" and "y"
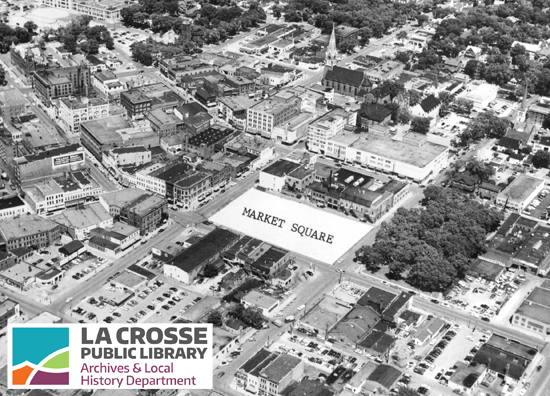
{"x": 432, "y": 246}
{"x": 217, "y": 20}
{"x": 486, "y": 124}
{"x": 420, "y": 125}
{"x": 541, "y": 159}
{"x": 250, "y": 316}
{"x": 215, "y": 318}
{"x": 8, "y": 36}
{"x": 474, "y": 167}
{"x": 78, "y": 35}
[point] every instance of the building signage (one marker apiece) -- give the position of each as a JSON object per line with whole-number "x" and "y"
{"x": 110, "y": 356}
{"x": 298, "y": 227}
{"x": 68, "y": 159}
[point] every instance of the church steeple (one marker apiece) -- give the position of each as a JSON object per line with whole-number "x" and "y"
{"x": 331, "y": 56}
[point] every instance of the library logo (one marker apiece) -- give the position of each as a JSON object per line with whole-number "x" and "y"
{"x": 40, "y": 356}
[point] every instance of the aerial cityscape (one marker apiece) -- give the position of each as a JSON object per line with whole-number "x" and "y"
{"x": 354, "y": 193}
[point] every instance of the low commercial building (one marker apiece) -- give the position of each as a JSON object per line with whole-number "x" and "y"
{"x": 274, "y": 176}
{"x": 245, "y": 374}
{"x": 208, "y": 142}
{"x": 266, "y": 304}
{"x": 107, "y": 84}
{"x": 172, "y": 144}
{"x": 121, "y": 235}
{"x": 71, "y": 251}
{"x": 534, "y": 254}
{"x": 126, "y": 156}
{"x": 165, "y": 123}
{"x": 12, "y": 104}
{"x": 270, "y": 263}
{"x": 355, "y": 325}
{"x": 186, "y": 266}
{"x": 506, "y": 358}
{"x": 518, "y": 194}
{"x": 9, "y": 311}
{"x": 263, "y": 150}
{"x": 481, "y": 95}
{"x": 323, "y": 316}
{"x": 61, "y": 192}
{"x": 466, "y": 377}
{"x": 44, "y": 318}
{"x": 278, "y": 374}
{"x": 78, "y": 222}
{"x": 358, "y": 194}
{"x": 13, "y": 206}
{"x": 385, "y": 71}
{"x": 542, "y": 144}
{"x": 21, "y": 275}
{"x": 114, "y": 201}
{"x": 428, "y": 330}
{"x": 534, "y": 313}
{"x": 28, "y": 231}
{"x": 195, "y": 117}
{"x": 129, "y": 281}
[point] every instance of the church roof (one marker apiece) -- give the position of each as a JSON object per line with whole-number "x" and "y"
{"x": 347, "y": 76}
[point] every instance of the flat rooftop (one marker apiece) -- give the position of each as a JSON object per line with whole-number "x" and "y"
{"x": 12, "y": 97}
{"x": 280, "y": 367}
{"x": 129, "y": 279}
{"x": 259, "y": 299}
{"x": 273, "y": 106}
{"x": 210, "y": 245}
{"x": 384, "y": 146}
{"x": 82, "y": 217}
{"x": 281, "y": 168}
{"x": 105, "y": 129}
{"x": 25, "y": 225}
{"x": 21, "y": 272}
{"x": 122, "y": 197}
{"x": 53, "y": 152}
{"x": 521, "y": 188}
{"x": 221, "y": 338}
{"x": 325, "y": 314}
{"x": 210, "y": 136}
{"x": 11, "y": 202}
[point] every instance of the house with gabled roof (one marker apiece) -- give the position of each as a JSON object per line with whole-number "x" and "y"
{"x": 427, "y": 108}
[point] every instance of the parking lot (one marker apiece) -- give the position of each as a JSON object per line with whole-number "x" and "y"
{"x": 450, "y": 126}
{"x": 324, "y": 359}
{"x": 154, "y": 304}
{"x": 434, "y": 363}
{"x": 540, "y": 206}
{"x": 75, "y": 272}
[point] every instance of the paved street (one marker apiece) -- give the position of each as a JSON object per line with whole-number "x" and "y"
{"x": 315, "y": 77}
